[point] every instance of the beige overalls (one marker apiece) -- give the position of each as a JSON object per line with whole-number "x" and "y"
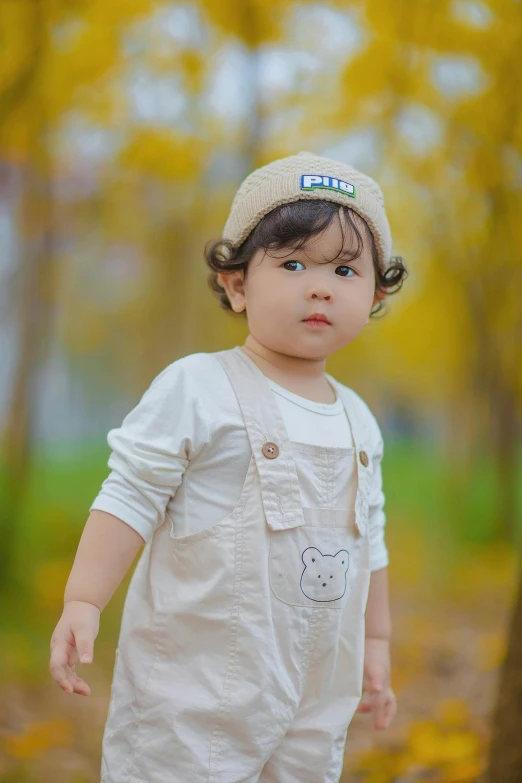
{"x": 240, "y": 656}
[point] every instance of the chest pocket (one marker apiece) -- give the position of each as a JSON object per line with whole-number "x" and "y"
{"x": 321, "y": 563}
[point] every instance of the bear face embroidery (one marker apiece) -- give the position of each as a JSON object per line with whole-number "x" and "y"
{"x": 324, "y": 576}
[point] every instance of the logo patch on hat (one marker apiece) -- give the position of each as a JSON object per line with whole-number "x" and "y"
{"x": 321, "y": 181}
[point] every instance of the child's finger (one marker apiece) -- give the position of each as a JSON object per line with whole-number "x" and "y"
{"x": 385, "y": 711}
{"x": 391, "y": 708}
{"x": 62, "y": 672}
{"x": 58, "y": 666}
{"x": 84, "y": 644}
{"x": 81, "y": 687}
{"x": 379, "y": 706}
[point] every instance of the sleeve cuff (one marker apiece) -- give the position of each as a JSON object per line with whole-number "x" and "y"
{"x": 124, "y": 512}
{"x": 379, "y": 557}
{"x": 378, "y": 565}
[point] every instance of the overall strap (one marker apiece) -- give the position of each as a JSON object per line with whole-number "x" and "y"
{"x": 268, "y": 439}
{"x": 363, "y": 449}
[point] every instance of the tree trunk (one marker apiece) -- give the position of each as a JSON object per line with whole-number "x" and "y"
{"x": 505, "y": 441}
{"x": 505, "y": 761}
{"x": 33, "y": 306}
{"x": 34, "y": 309}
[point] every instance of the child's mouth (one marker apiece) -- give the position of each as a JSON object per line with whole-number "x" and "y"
{"x": 316, "y": 323}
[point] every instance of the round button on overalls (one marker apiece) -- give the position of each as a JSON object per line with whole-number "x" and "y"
{"x": 270, "y": 450}
{"x": 364, "y": 458}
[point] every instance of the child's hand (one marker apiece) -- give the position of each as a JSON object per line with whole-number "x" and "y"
{"x": 377, "y": 693}
{"x": 73, "y": 639}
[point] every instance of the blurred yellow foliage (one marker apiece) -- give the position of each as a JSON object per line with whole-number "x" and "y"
{"x": 252, "y": 22}
{"x": 462, "y": 772}
{"x": 382, "y": 765}
{"x": 452, "y": 713}
{"x": 37, "y": 738}
{"x": 411, "y": 559}
{"x": 17, "y": 23}
{"x": 192, "y": 64}
{"x": 163, "y": 154}
{"x": 446, "y": 749}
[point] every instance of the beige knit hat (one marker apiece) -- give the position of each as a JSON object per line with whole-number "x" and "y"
{"x": 308, "y": 176}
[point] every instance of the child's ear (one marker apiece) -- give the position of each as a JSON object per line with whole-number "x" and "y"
{"x": 234, "y": 285}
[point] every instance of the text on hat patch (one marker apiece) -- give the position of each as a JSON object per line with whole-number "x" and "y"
{"x": 314, "y": 181}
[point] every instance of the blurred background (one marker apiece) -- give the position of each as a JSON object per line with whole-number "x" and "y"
{"x": 125, "y": 129}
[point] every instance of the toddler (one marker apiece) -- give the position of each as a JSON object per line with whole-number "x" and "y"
{"x": 257, "y": 616}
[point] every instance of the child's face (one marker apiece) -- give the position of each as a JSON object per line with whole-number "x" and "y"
{"x": 284, "y": 289}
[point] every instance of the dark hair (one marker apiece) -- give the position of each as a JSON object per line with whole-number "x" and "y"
{"x": 291, "y": 225}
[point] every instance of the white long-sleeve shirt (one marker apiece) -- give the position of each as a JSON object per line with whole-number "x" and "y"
{"x": 183, "y": 452}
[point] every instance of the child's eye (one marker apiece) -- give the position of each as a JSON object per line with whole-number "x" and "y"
{"x": 348, "y": 268}
{"x": 291, "y": 262}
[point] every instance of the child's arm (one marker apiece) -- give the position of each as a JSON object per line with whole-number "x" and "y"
{"x": 105, "y": 553}
{"x": 378, "y": 618}
{"x": 150, "y": 452}
{"x": 377, "y": 692}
